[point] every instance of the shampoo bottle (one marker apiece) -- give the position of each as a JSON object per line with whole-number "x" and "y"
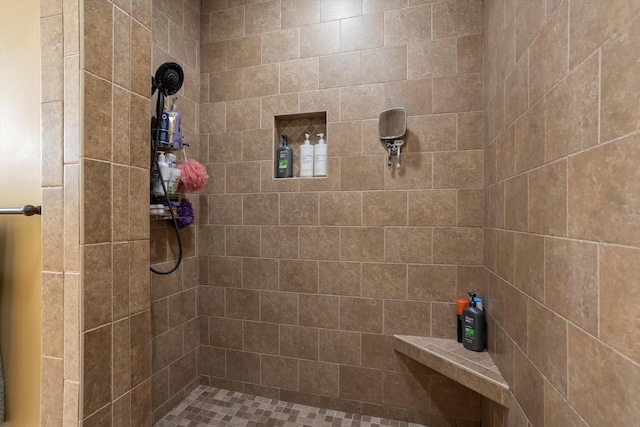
{"x": 163, "y": 169}
{"x": 174, "y": 125}
{"x": 474, "y": 326}
{"x": 284, "y": 157}
{"x": 306, "y": 157}
{"x": 320, "y": 162}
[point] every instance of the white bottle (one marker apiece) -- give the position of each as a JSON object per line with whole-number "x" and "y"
{"x": 163, "y": 168}
{"x": 306, "y": 157}
{"x": 171, "y": 160}
{"x": 320, "y": 164}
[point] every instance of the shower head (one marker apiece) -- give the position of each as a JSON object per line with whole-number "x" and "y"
{"x": 168, "y": 79}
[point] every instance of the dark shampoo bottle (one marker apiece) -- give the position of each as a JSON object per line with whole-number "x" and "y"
{"x": 474, "y": 326}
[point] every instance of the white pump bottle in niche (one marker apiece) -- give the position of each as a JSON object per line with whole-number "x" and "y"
{"x": 320, "y": 162}
{"x": 306, "y": 157}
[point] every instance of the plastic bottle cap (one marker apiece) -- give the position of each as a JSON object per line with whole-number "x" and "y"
{"x": 462, "y": 303}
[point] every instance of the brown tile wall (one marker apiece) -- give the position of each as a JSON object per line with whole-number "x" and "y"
{"x": 174, "y": 323}
{"x": 304, "y": 280}
{"x": 96, "y": 316}
{"x": 562, "y": 233}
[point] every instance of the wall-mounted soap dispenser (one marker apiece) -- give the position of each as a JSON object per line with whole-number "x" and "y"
{"x": 392, "y": 126}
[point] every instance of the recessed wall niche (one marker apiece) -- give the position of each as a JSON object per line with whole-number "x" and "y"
{"x": 295, "y": 126}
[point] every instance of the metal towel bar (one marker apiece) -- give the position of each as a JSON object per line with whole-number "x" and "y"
{"x": 26, "y": 210}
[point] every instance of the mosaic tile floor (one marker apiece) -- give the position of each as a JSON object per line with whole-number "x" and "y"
{"x": 208, "y": 406}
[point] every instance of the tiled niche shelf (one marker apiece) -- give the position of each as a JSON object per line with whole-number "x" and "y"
{"x": 295, "y": 126}
{"x": 475, "y": 370}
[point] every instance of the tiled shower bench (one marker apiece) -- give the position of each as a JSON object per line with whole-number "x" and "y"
{"x": 475, "y": 370}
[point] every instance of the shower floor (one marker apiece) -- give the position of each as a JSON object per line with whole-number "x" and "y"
{"x": 209, "y": 406}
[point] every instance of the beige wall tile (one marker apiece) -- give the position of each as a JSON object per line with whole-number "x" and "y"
{"x": 260, "y": 209}
{"x": 362, "y": 173}
{"x": 243, "y": 366}
{"x": 455, "y": 19}
{"x": 529, "y": 387}
{"x": 596, "y": 210}
{"x": 407, "y": 26}
{"x": 373, "y": 6}
{"x": 225, "y": 271}
{"x": 460, "y": 169}
{"x": 470, "y": 130}
{"x": 52, "y": 168}
{"x": 299, "y": 76}
{"x": 243, "y": 114}
{"x": 530, "y": 130}
{"x": 98, "y": 38}
{"x": 262, "y": 17}
{"x": 225, "y": 333}
{"x": 299, "y": 342}
{"x": 141, "y": 67}
{"x": 505, "y": 255}
{"x": 212, "y": 361}
{"x": 361, "y": 102}
{"x": 618, "y": 109}
{"x": 432, "y": 207}
{"x": 384, "y": 208}
{"x": 413, "y": 95}
{"x": 460, "y": 246}
{"x": 322, "y": 243}
{"x": 299, "y": 209}
{"x": 51, "y": 56}
{"x": 470, "y": 203}
{"x": 348, "y": 136}
{"x": 432, "y": 59}
{"x": 361, "y": 383}
{"x": 279, "y": 242}
{"x": 318, "y": 377}
{"x": 384, "y": 64}
{"x": 585, "y": 388}
{"x": 297, "y": 14}
{"x": 495, "y": 114}
{"x": 243, "y": 241}
{"x": 431, "y": 133}
{"x": 52, "y": 312}
{"x": 338, "y": 9}
{"x": 517, "y": 90}
{"x": 339, "y": 347}
{"x": 279, "y": 307}
{"x": 97, "y": 288}
{"x": 407, "y": 317}
{"x": 260, "y": 81}
{"x": 457, "y": 93}
{"x": 547, "y": 345}
{"x": 431, "y": 283}
{"x": 529, "y": 265}
{"x": 97, "y": 119}
{"x": 407, "y": 390}
{"x": 298, "y": 276}
{"x": 548, "y": 199}
{"x": 321, "y": 311}
{"x": 340, "y": 70}
{"x": 408, "y": 245}
{"x": 618, "y": 272}
{"x": 320, "y": 39}
{"x": 384, "y": 280}
{"x": 340, "y": 278}
{"x": 557, "y": 409}
{"x": 415, "y": 172}
{"x": 572, "y": 112}
{"x": 97, "y": 369}
{"x": 361, "y": 32}
{"x": 227, "y": 24}
{"x": 279, "y": 372}
{"x": 278, "y": 46}
{"x": 243, "y": 304}
{"x": 469, "y": 54}
{"x": 571, "y": 281}
{"x": 361, "y": 314}
{"x": 257, "y": 145}
{"x": 258, "y": 273}
{"x": 530, "y": 16}
{"x": 588, "y": 30}
{"x": 259, "y": 337}
{"x": 243, "y": 52}
{"x": 362, "y": 244}
{"x": 322, "y": 100}
{"x": 516, "y": 216}
{"x": 278, "y": 105}
{"x": 225, "y": 85}
{"x": 548, "y": 56}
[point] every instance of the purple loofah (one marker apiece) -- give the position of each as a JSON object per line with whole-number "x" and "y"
{"x": 185, "y": 213}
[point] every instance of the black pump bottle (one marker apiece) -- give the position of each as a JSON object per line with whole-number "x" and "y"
{"x": 473, "y": 320}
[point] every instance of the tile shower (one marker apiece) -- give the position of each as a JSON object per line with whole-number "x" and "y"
{"x": 292, "y": 289}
